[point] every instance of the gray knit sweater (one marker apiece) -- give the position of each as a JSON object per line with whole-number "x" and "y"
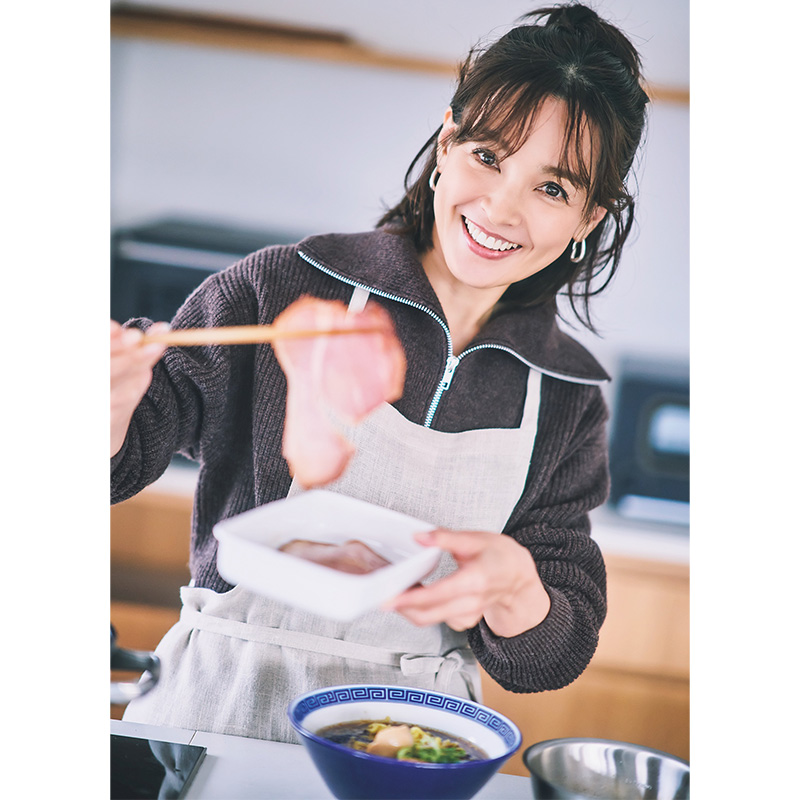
{"x": 224, "y": 408}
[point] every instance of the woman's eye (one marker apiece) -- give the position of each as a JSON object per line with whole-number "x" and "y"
{"x": 486, "y": 157}
{"x": 555, "y": 191}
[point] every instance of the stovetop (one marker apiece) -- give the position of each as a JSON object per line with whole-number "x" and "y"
{"x": 148, "y": 769}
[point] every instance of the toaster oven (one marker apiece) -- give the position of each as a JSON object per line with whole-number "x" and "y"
{"x": 649, "y": 443}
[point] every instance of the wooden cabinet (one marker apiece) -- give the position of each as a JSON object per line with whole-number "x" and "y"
{"x": 636, "y": 689}
{"x": 149, "y": 563}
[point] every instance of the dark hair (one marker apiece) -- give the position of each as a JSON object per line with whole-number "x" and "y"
{"x": 591, "y": 66}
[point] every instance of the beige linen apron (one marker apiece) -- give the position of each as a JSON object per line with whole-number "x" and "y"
{"x": 235, "y": 660}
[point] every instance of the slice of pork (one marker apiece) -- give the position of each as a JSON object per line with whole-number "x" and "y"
{"x": 333, "y": 378}
{"x": 353, "y": 556}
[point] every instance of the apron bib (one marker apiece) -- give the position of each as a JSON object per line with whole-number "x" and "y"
{"x": 235, "y": 660}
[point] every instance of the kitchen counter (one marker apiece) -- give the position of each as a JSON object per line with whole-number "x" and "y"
{"x": 241, "y": 768}
{"x": 615, "y": 534}
{"x": 631, "y": 538}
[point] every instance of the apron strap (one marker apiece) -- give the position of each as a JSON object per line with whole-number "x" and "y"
{"x": 287, "y": 638}
{"x": 358, "y": 300}
{"x": 443, "y": 667}
{"x": 533, "y": 397}
{"x": 410, "y": 664}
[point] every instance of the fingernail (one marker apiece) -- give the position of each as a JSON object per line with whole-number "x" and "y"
{"x": 131, "y": 335}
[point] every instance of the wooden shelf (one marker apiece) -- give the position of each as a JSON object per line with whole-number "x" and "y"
{"x": 216, "y": 30}
{"x": 219, "y": 30}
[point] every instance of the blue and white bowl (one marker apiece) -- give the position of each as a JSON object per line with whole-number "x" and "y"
{"x": 351, "y": 774}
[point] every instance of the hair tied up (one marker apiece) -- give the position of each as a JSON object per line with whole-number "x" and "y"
{"x": 585, "y": 22}
{"x": 572, "y": 17}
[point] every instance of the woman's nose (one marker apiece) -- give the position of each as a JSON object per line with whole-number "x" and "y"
{"x": 503, "y": 204}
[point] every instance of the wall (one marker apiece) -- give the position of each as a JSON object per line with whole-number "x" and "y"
{"x": 309, "y": 146}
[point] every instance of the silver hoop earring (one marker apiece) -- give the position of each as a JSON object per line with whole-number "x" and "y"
{"x": 577, "y": 255}
{"x": 434, "y": 177}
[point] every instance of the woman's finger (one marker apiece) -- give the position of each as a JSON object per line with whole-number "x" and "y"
{"x": 458, "y": 612}
{"x": 461, "y": 544}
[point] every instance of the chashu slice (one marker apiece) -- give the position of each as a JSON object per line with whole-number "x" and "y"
{"x": 333, "y": 378}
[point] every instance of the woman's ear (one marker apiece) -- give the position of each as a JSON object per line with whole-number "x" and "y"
{"x": 448, "y": 126}
{"x": 595, "y": 219}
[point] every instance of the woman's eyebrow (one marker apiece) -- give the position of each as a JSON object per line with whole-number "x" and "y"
{"x": 564, "y": 174}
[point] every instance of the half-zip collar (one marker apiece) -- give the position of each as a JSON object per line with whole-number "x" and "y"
{"x": 387, "y": 264}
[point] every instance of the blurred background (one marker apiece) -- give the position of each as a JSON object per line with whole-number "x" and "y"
{"x": 302, "y": 131}
{"x": 235, "y": 123}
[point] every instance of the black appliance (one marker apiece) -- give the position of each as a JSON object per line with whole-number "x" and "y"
{"x": 649, "y": 447}
{"x": 156, "y": 266}
{"x": 149, "y": 769}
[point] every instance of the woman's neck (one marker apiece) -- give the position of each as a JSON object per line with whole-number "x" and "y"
{"x": 466, "y": 308}
{"x": 464, "y": 324}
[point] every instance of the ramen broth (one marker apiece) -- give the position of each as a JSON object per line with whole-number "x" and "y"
{"x": 431, "y": 746}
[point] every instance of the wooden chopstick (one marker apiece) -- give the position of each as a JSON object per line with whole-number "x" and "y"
{"x": 241, "y": 334}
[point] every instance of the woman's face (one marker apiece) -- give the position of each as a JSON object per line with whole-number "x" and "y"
{"x": 500, "y": 219}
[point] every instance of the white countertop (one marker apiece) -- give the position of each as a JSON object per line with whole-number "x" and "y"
{"x": 236, "y": 767}
{"x": 617, "y": 535}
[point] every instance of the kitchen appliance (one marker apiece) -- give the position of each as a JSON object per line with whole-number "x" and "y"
{"x": 602, "y": 769}
{"x": 649, "y": 447}
{"x": 148, "y": 769}
{"x": 156, "y": 266}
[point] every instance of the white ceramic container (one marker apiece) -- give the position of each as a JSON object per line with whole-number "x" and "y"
{"x": 248, "y": 552}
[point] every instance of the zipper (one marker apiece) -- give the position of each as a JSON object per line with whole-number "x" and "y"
{"x": 444, "y": 384}
{"x": 452, "y": 360}
{"x": 450, "y": 368}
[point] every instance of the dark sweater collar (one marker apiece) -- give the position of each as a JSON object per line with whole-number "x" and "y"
{"x": 387, "y": 263}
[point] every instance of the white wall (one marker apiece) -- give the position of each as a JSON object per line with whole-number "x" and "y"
{"x": 305, "y": 146}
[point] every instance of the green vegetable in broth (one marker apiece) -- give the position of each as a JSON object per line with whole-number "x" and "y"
{"x": 402, "y": 741}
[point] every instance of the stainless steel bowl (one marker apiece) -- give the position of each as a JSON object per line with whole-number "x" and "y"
{"x": 601, "y": 769}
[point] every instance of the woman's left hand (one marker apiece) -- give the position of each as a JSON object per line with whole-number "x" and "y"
{"x": 496, "y": 580}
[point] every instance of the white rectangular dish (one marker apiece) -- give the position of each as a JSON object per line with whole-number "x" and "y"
{"x": 248, "y": 552}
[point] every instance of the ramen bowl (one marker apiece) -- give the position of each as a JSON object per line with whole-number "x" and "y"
{"x": 351, "y": 774}
{"x": 602, "y": 769}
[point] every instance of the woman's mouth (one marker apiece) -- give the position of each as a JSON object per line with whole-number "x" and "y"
{"x": 494, "y": 245}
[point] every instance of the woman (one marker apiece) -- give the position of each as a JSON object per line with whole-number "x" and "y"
{"x": 498, "y": 438}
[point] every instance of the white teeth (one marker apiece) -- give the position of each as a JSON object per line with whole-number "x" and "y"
{"x": 488, "y": 242}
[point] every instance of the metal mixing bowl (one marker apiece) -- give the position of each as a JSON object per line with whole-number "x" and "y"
{"x": 601, "y": 769}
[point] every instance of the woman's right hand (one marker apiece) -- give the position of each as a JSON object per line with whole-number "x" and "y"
{"x": 131, "y": 373}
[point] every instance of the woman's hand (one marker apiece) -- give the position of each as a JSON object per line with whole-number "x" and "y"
{"x": 131, "y": 373}
{"x": 496, "y": 580}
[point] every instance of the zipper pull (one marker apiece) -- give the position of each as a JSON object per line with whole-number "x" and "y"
{"x": 449, "y": 369}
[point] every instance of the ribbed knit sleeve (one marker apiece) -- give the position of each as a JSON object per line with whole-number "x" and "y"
{"x": 551, "y": 520}
{"x": 195, "y": 399}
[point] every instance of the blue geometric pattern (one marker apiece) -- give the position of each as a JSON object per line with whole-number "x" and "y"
{"x": 399, "y": 694}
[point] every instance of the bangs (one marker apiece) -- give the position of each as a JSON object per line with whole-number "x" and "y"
{"x": 505, "y": 115}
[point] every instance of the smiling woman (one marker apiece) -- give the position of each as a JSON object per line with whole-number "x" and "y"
{"x": 497, "y": 440}
{"x": 569, "y": 94}
{"x": 503, "y": 215}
